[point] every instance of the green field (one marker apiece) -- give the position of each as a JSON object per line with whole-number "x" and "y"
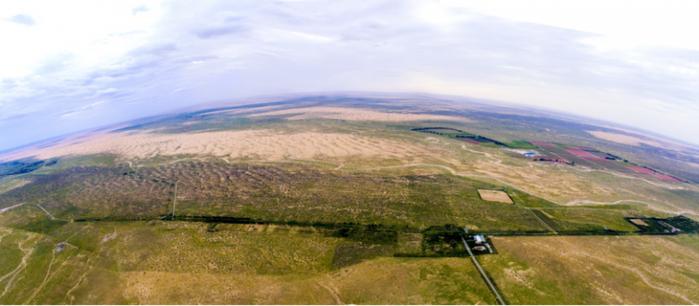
{"x": 174, "y": 262}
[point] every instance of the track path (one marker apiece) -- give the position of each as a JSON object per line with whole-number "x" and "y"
{"x": 10, "y": 207}
{"x": 544, "y": 223}
{"x": 484, "y": 275}
{"x": 12, "y": 275}
{"x": 44, "y": 281}
{"x": 46, "y": 211}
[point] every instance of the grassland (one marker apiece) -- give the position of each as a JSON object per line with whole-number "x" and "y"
{"x": 341, "y": 200}
{"x": 282, "y": 193}
{"x": 172, "y": 262}
{"x": 375, "y": 146}
{"x": 270, "y": 193}
{"x": 596, "y": 270}
{"x": 184, "y": 262}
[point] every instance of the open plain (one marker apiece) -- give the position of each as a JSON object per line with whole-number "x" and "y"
{"x": 346, "y": 200}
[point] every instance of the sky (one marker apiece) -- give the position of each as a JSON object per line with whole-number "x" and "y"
{"x": 66, "y": 66}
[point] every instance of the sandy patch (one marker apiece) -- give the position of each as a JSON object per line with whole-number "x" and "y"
{"x": 244, "y": 110}
{"x": 494, "y": 196}
{"x": 624, "y": 139}
{"x": 355, "y": 114}
{"x": 258, "y": 144}
{"x": 638, "y": 222}
{"x": 13, "y": 184}
{"x": 2, "y": 210}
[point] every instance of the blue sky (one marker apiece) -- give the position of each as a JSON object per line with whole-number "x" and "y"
{"x": 70, "y": 65}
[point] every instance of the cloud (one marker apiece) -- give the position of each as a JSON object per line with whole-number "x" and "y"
{"x": 154, "y": 49}
{"x": 22, "y": 19}
{"x": 81, "y": 109}
{"x": 212, "y": 32}
{"x": 135, "y": 60}
{"x": 139, "y": 9}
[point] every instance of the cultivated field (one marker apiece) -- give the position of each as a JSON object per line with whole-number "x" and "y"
{"x": 494, "y": 196}
{"x": 624, "y": 139}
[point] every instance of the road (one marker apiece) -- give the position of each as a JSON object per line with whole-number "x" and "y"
{"x": 174, "y": 200}
{"x": 2, "y": 210}
{"x": 546, "y": 225}
{"x": 485, "y": 276}
{"x": 46, "y": 211}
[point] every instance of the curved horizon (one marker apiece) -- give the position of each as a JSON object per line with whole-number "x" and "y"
{"x": 118, "y": 61}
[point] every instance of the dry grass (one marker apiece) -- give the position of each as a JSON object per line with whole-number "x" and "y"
{"x": 182, "y": 263}
{"x": 552, "y": 182}
{"x": 356, "y": 148}
{"x": 571, "y": 185}
{"x": 379, "y": 281}
{"x": 597, "y": 270}
{"x": 411, "y": 281}
{"x": 12, "y": 184}
{"x": 494, "y": 196}
{"x": 356, "y": 114}
{"x": 150, "y": 287}
{"x": 624, "y": 139}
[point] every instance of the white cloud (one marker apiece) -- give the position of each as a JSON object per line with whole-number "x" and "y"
{"x": 619, "y": 24}
{"x": 84, "y": 63}
{"x": 95, "y": 33}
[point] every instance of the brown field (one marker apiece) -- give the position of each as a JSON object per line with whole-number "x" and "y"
{"x": 597, "y": 270}
{"x": 624, "y": 139}
{"x": 543, "y": 180}
{"x": 258, "y": 144}
{"x": 568, "y": 185}
{"x": 355, "y": 114}
{"x": 494, "y": 196}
